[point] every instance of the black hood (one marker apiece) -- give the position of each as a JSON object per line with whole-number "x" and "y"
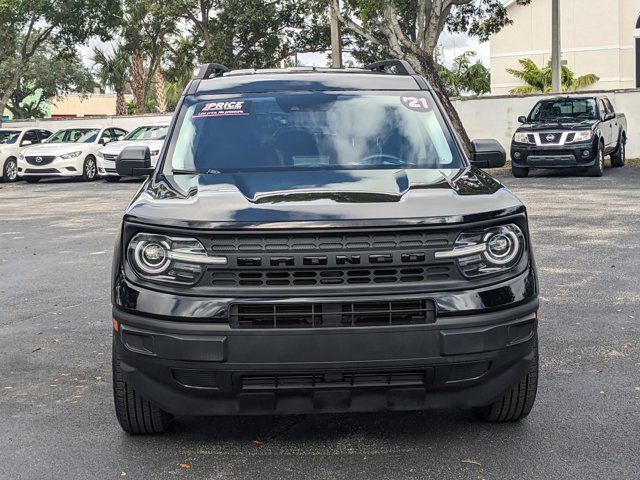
{"x": 558, "y": 126}
{"x": 320, "y": 198}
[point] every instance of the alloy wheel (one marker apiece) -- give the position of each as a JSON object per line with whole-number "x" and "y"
{"x": 11, "y": 170}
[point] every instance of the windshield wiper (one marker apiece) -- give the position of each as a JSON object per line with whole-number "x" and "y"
{"x": 209, "y": 171}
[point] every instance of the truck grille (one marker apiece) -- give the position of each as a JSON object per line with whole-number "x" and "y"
{"x": 332, "y": 314}
{"x": 364, "y": 379}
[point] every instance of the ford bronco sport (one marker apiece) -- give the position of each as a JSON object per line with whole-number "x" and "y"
{"x": 316, "y": 240}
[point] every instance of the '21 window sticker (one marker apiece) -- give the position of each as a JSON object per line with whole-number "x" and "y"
{"x": 417, "y": 104}
{"x": 223, "y": 108}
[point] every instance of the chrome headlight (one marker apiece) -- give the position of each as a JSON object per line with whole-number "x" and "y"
{"x": 67, "y": 156}
{"x": 520, "y": 137}
{"x": 164, "y": 259}
{"x": 583, "y": 136}
{"x": 487, "y": 251}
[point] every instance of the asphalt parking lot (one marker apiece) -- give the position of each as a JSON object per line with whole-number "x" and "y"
{"x": 56, "y": 409}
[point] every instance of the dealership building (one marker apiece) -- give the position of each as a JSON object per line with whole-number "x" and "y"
{"x": 598, "y": 36}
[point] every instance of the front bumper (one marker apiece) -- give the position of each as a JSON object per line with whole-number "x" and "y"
{"x": 202, "y": 368}
{"x": 106, "y": 168}
{"x": 59, "y": 167}
{"x": 553, "y": 156}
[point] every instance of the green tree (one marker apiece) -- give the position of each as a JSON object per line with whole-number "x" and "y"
{"x": 538, "y": 80}
{"x": 465, "y": 76}
{"x": 113, "y": 72}
{"x": 26, "y": 26}
{"x": 50, "y": 76}
{"x": 411, "y": 29}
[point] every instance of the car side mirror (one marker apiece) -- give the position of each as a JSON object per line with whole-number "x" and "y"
{"x": 610, "y": 116}
{"x": 134, "y": 162}
{"x": 522, "y": 119}
{"x": 488, "y": 154}
{"x": 104, "y": 140}
{"x": 26, "y": 143}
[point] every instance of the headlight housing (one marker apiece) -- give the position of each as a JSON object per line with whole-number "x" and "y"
{"x": 583, "y": 136}
{"x": 488, "y": 251}
{"x": 520, "y": 137}
{"x": 67, "y": 156}
{"x": 155, "y": 153}
{"x": 100, "y": 155}
{"x": 164, "y": 259}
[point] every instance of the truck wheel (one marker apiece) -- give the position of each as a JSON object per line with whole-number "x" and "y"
{"x": 10, "y": 171}
{"x": 619, "y": 158}
{"x": 89, "y": 169}
{"x": 597, "y": 170}
{"x": 135, "y": 414}
{"x": 517, "y": 403}
{"x": 520, "y": 172}
{"x": 32, "y": 179}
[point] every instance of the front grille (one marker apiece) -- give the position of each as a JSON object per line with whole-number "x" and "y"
{"x": 41, "y": 170}
{"x": 313, "y": 277}
{"x": 365, "y": 379}
{"x": 109, "y": 157}
{"x": 332, "y": 314}
{"x": 546, "y": 138}
{"x": 40, "y": 160}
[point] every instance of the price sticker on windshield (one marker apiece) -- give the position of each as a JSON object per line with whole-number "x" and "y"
{"x": 225, "y": 108}
{"x": 417, "y": 104}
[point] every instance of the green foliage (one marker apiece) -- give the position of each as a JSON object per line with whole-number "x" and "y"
{"x": 465, "y": 76}
{"x": 49, "y": 76}
{"x": 538, "y": 80}
{"x": 112, "y": 69}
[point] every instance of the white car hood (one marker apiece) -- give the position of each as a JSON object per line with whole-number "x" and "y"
{"x": 116, "y": 147}
{"x": 56, "y": 149}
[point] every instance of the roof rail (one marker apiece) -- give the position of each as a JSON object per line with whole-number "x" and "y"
{"x": 209, "y": 70}
{"x": 395, "y": 66}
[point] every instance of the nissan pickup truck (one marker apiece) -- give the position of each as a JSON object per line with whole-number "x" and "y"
{"x": 570, "y": 132}
{"x": 316, "y": 240}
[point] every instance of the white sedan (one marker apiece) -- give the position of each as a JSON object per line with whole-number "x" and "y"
{"x": 70, "y": 152}
{"x": 12, "y": 142}
{"x": 151, "y": 136}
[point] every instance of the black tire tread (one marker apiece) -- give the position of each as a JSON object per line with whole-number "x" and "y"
{"x": 517, "y": 403}
{"x": 617, "y": 158}
{"x": 135, "y": 414}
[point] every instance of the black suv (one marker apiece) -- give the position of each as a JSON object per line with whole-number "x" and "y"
{"x": 317, "y": 240}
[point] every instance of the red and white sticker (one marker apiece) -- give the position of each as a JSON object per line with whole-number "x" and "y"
{"x": 225, "y": 108}
{"x": 417, "y": 104}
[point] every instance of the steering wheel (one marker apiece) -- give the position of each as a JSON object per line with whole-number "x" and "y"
{"x": 384, "y": 159}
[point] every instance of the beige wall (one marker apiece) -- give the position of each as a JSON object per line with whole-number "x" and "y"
{"x": 85, "y": 106}
{"x": 597, "y": 37}
{"x": 497, "y": 117}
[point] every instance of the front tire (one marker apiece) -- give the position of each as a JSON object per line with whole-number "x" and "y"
{"x": 597, "y": 170}
{"x": 89, "y": 169}
{"x": 517, "y": 403}
{"x": 10, "y": 170}
{"x": 619, "y": 158}
{"x": 519, "y": 172}
{"x": 135, "y": 415}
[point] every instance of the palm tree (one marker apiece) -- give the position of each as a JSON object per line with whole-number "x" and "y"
{"x": 113, "y": 72}
{"x": 538, "y": 79}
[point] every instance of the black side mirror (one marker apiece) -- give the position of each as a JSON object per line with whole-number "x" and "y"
{"x": 522, "y": 119}
{"x": 134, "y": 162}
{"x": 488, "y": 154}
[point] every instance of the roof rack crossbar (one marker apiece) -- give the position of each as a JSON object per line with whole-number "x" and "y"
{"x": 211, "y": 70}
{"x": 397, "y": 66}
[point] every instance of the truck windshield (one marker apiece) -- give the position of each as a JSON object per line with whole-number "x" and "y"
{"x": 312, "y": 131}
{"x": 577, "y": 109}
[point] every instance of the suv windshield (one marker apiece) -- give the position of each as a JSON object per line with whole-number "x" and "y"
{"x": 312, "y": 131}
{"x": 156, "y": 132}
{"x": 8, "y": 137}
{"x": 75, "y": 135}
{"x": 577, "y": 109}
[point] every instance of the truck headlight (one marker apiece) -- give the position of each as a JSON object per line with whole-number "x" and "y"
{"x": 67, "y": 156}
{"x": 487, "y": 251}
{"x": 583, "y": 136}
{"x": 521, "y": 138}
{"x": 164, "y": 259}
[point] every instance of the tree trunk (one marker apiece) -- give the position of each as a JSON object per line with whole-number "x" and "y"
{"x": 121, "y": 102}
{"x": 137, "y": 81}
{"x": 429, "y": 69}
{"x": 161, "y": 97}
